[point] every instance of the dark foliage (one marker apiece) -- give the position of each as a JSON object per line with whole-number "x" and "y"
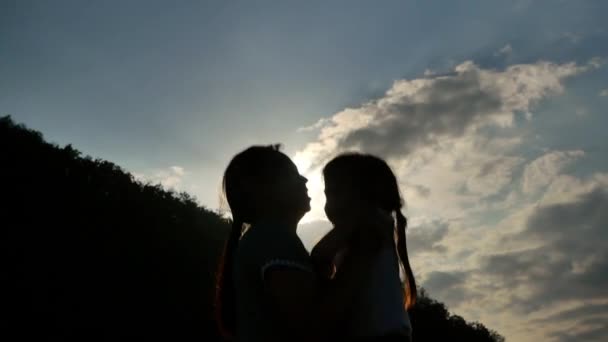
{"x": 432, "y": 321}
{"x": 88, "y": 253}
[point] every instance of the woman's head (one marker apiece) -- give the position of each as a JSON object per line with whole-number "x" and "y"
{"x": 260, "y": 184}
{"x": 353, "y": 180}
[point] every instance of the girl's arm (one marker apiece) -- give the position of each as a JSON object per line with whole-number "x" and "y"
{"x": 308, "y": 310}
{"x": 369, "y": 229}
{"x": 325, "y": 251}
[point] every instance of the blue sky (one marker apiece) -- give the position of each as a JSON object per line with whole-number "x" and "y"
{"x": 171, "y": 90}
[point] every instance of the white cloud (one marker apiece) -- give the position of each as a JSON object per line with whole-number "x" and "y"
{"x": 177, "y": 170}
{"x": 431, "y": 130}
{"x": 505, "y": 50}
{"x": 566, "y": 188}
{"x": 429, "y": 72}
{"x": 322, "y": 122}
{"x": 545, "y": 257}
{"x": 311, "y": 232}
{"x": 420, "y": 112}
{"x": 566, "y": 265}
{"x": 542, "y": 171}
{"x": 453, "y": 143}
{"x": 170, "y": 178}
{"x": 604, "y": 92}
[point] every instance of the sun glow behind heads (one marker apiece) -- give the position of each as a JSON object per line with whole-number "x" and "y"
{"x": 315, "y": 187}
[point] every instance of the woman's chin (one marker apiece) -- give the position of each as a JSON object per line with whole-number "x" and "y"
{"x": 306, "y": 208}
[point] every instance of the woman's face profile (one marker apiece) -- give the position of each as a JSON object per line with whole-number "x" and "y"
{"x": 291, "y": 190}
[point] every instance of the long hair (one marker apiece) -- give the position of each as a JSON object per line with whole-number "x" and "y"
{"x": 245, "y": 178}
{"x": 371, "y": 179}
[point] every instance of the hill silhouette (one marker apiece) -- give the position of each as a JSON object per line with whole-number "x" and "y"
{"x": 91, "y": 254}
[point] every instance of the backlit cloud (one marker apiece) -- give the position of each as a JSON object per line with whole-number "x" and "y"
{"x": 497, "y": 230}
{"x": 421, "y": 112}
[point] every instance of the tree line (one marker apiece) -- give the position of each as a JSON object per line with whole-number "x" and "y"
{"x": 90, "y": 253}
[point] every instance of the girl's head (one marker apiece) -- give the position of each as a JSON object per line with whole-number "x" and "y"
{"x": 260, "y": 184}
{"x": 353, "y": 180}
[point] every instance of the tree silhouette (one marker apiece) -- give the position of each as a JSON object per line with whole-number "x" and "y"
{"x": 91, "y": 254}
{"x": 431, "y": 321}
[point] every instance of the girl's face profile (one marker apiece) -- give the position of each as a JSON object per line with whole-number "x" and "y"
{"x": 339, "y": 204}
{"x": 345, "y": 205}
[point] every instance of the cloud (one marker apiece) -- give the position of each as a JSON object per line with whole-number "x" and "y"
{"x": 493, "y": 174}
{"x": 426, "y": 238}
{"x": 322, "y": 122}
{"x": 505, "y": 50}
{"x": 564, "y": 188}
{"x": 423, "y": 112}
{"x": 542, "y": 171}
{"x": 477, "y": 192}
{"x": 528, "y": 270}
{"x": 589, "y": 331}
{"x": 170, "y": 178}
{"x": 450, "y": 286}
{"x": 177, "y": 170}
{"x": 440, "y": 130}
{"x": 421, "y": 190}
{"x": 604, "y": 92}
{"x": 569, "y": 263}
{"x": 429, "y": 72}
{"x": 589, "y": 311}
{"x": 311, "y": 232}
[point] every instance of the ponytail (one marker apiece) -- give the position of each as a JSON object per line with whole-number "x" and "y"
{"x": 241, "y": 188}
{"x": 410, "y": 283}
{"x": 373, "y": 180}
{"x": 225, "y": 301}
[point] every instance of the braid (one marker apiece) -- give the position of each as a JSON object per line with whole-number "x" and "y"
{"x": 242, "y": 178}
{"x": 410, "y": 282}
{"x": 225, "y": 301}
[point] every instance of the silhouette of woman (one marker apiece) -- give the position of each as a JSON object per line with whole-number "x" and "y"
{"x": 267, "y": 289}
{"x": 365, "y": 185}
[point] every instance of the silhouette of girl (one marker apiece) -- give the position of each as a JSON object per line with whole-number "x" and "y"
{"x": 365, "y": 185}
{"x": 266, "y": 287}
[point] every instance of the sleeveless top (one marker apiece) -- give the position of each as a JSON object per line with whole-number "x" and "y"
{"x": 379, "y": 308}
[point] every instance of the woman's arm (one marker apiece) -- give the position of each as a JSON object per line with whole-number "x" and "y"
{"x": 309, "y": 308}
{"x": 306, "y": 309}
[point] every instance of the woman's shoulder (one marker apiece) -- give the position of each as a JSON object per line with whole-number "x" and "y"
{"x": 263, "y": 243}
{"x": 267, "y": 236}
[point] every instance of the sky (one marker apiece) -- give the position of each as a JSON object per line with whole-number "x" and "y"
{"x": 491, "y": 113}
